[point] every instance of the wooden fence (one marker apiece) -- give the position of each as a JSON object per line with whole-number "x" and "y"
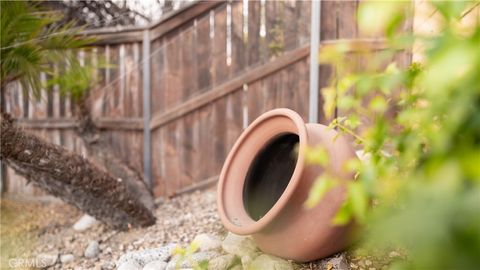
{"x": 179, "y": 92}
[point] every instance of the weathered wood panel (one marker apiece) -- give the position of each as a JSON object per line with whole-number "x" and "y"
{"x": 286, "y": 88}
{"x": 215, "y": 67}
{"x": 219, "y": 44}
{"x": 193, "y": 148}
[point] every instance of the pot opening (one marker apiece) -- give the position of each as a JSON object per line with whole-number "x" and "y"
{"x": 269, "y": 174}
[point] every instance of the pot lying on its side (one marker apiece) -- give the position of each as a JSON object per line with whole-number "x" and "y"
{"x": 264, "y": 184}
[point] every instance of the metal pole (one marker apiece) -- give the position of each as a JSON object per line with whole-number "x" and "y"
{"x": 147, "y": 142}
{"x": 314, "y": 48}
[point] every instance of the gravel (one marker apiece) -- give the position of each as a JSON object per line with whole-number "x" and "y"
{"x": 179, "y": 221}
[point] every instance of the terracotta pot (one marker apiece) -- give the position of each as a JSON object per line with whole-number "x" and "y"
{"x": 265, "y": 182}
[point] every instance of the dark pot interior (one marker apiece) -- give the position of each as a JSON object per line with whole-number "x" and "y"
{"x": 269, "y": 174}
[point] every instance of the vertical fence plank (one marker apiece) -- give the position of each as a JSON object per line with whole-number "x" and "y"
{"x": 173, "y": 80}
{"x": 234, "y": 117}
{"x": 328, "y": 31}
{"x": 220, "y": 45}
{"x": 171, "y": 158}
{"x": 274, "y": 29}
{"x": 97, "y": 94}
{"x": 220, "y": 148}
{"x": 238, "y": 44}
{"x": 158, "y": 76}
{"x": 189, "y": 63}
{"x": 203, "y": 56}
{"x": 254, "y": 22}
{"x": 292, "y": 24}
{"x": 347, "y": 19}
{"x": 303, "y": 9}
{"x": 158, "y": 163}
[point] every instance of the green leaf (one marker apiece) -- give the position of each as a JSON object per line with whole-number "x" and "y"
{"x": 358, "y": 200}
{"x": 329, "y": 95}
{"x": 193, "y": 247}
{"x": 375, "y": 16}
{"x": 179, "y": 251}
{"x": 346, "y": 83}
{"x": 321, "y": 186}
{"x": 202, "y": 265}
{"x": 378, "y": 104}
{"x": 343, "y": 215}
{"x": 317, "y": 155}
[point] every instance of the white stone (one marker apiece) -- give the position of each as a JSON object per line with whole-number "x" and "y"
{"x": 239, "y": 245}
{"x": 194, "y": 258}
{"x": 84, "y": 223}
{"x": 155, "y": 265}
{"x": 207, "y": 242}
{"x": 108, "y": 266}
{"x": 129, "y": 265}
{"x": 67, "y": 258}
{"x": 268, "y": 262}
{"x": 223, "y": 262}
{"x": 92, "y": 249}
{"x": 143, "y": 257}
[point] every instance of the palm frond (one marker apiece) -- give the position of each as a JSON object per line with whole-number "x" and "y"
{"x": 31, "y": 42}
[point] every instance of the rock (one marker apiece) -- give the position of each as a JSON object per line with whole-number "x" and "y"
{"x": 222, "y": 263}
{"x": 155, "y": 265}
{"x": 129, "y": 265}
{"x": 92, "y": 249}
{"x": 207, "y": 242}
{"x": 84, "y": 223}
{"x": 239, "y": 245}
{"x": 236, "y": 267}
{"x": 268, "y": 262}
{"x": 108, "y": 266}
{"x": 195, "y": 258}
{"x": 45, "y": 260}
{"x": 336, "y": 262}
{"x": 246, "y": 260}
{"x": 142, "y": 257}
{"x": 66, "y": 258}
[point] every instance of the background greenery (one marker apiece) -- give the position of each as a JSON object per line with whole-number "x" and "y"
{"x": 419, "y": 127}
{"x": 31, "y": 40}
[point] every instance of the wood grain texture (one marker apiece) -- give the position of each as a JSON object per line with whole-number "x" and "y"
{"x": 219, "y": 42}
{"x": 224, "y": 89}
{"x": 198, "y": 101}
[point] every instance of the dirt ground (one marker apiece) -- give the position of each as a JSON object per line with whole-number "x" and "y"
{"x": 30, "y": 227}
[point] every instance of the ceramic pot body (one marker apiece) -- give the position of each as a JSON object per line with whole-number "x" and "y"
{"x": 279, "y": 223}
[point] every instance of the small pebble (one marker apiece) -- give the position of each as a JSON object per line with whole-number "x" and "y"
{"x": 155, "y": 265}
{"x": 92, "y": 249}
{"x": 129, "y": 265}
{"x": 66, "y": 258}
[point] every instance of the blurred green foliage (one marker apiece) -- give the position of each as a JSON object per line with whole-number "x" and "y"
{"x": 184, "y": 255}
{"x": 32, "y": 42}
{"x": 419, "y": 127}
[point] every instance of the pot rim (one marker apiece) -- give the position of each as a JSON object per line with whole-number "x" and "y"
{"x": 256, "y": 226}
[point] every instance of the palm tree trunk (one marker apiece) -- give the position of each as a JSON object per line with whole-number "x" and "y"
{"x": 100, "y": 152}
{"x": 72, "y": 178}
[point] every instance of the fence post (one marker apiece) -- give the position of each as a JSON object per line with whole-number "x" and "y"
{"x": 147, "y": 141}
{"x": 314, "y": 47}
